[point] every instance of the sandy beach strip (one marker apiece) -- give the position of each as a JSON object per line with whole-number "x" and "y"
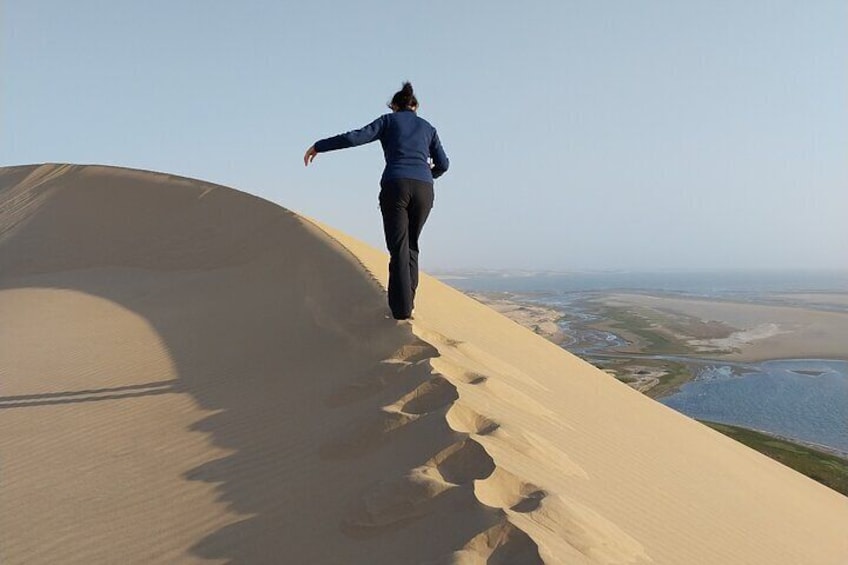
{"x": 541, "y": 319}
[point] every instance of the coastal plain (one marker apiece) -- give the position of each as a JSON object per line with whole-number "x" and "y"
{"x": 192, "y": 374}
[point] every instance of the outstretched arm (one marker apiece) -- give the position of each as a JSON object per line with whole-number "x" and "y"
{"x": 353, "y": 138}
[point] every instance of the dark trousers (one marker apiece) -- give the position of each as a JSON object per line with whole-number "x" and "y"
{"x": 405, "y": 204}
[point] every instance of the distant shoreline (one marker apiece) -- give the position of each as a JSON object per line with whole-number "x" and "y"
{"x": 808, "y": 444}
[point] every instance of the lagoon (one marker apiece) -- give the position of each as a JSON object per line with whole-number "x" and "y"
{"x": 801, "y": 399}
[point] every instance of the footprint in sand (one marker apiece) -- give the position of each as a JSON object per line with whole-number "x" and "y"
{"x": 465, "y": 420}
{"x": 391, "y": 502}
{"x": 410, "y": 361}
{"x": 430, "y": 396}
{"x": 434, "y": 394}
{"x": 504, "y": 490}
{"x": 383, "y": 376}
{"x": 501, "y": 544}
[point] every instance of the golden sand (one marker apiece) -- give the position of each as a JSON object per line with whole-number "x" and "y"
{"x": 191, "y": 374}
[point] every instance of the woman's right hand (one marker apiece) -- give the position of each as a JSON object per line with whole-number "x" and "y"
{"x": 310, "y": 156}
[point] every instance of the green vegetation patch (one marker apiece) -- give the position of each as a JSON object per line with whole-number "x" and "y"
{"x": 830, "y": 470}
{"x": 646, "y": 328}
{"x": 678, "y": 375}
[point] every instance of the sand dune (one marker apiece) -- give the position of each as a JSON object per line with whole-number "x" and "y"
{"x": 192, "y": 374}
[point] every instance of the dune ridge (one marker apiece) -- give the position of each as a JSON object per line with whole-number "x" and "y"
{"x": 584, "y": 536}
{"x": 193, "y": 374}
{"x": 523, "y": 483}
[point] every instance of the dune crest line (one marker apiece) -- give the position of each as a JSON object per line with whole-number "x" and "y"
{"x": 492, "y": 485}
{"x": 590, "y": 471}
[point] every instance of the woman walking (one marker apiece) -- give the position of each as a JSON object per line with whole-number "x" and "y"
{"x": 414, "y": 157}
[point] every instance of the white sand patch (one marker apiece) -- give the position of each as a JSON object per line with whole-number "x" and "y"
{"x": 737, "y": 340}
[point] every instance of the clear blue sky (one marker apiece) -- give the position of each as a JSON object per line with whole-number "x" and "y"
{"x": 582, "y": 135}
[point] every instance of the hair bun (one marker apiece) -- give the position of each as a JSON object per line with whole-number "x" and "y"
{"x": 404, "y": 99}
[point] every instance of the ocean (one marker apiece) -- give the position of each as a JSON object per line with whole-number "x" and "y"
{"x": 692, "y": 283}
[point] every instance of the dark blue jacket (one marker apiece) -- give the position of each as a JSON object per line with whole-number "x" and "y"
{"x": 408, "y": 142}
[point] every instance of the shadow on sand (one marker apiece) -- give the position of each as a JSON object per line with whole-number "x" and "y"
{"x": 265, "y": 322}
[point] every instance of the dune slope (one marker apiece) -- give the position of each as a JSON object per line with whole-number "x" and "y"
{"x": 192, "y": 374}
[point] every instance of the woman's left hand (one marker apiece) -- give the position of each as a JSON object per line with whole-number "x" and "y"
{"x": 310, "y": 156}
